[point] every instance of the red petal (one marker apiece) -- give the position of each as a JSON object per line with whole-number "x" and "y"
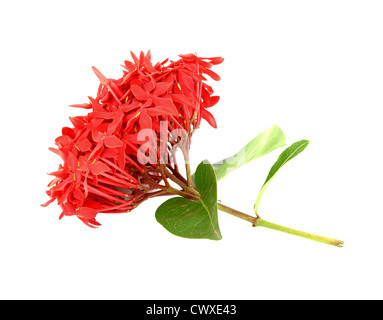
{"x": 157, "y": 111}
{"x": 188, "y": 56}
{"x": 62, "y": 185}
{"x": 208, "y": 117}
{"x": 78, "y": 122}
{"x": 97, "y": 136}
{"x": 115, "y": 125}
{"x": 48, "y": 202}
{"x": 192, "y": 74}
{"x": 185, "y": 81}
{"x": 68, "y": 132}
{"x": 163, "y": 62}
{"x": 84, "y": 145}
{"x": 142, "y": 57}
{"x": 115, "y": 90}
{"x": 58, "y": 152}
{"x": 129, "y": 107}
{"x": 130, "y": 66}
{"x": 180, "y": 98}
{"x": 212, "y": 74}
{"x": 204, "y": 63}
{"x": 86, "y": 213}
{"x": 145, "y": 120}
{"x": 208, "y": 88}
{"x": 71, "y": 160}
{"x": 149, "y": 86}
{"x": 140, "y": 93}
{"x": 58, "y": 173}
{"x": 102, "y": 114}
{"x": 97, "y": 123}
{"x": 148, "y": 65}
{"x": 121, "y": 158}
{"x": 148, "y": 103}
{"x": 64, "y": 195}
{"x": 68, "y": 208}
{"x": 90, "y": 222}
{"x": 82, "y": 105}
{"x": 95, "y": 104}
{"x": 78, "y": 194}
{"x": 63, "y": 141}
{"x": 110, "y": 153}
{"x": 161, "y": 88}
{"x": 135, "y": 59}
{"x": 98, "y": 168}
{"x": 214, "y": 100}
{"x": 148, "y": 55}
{"x": 113, "y": 142}
{"x": 216, "y": 60}
{"x": 166, "y": 104}
{"x": 100, "y": 76}
{"x": 132, "y": 138}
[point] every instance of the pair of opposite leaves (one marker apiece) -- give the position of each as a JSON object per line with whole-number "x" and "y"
{"x": 198, "y": 219}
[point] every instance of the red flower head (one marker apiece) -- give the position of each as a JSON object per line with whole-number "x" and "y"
{"x": 106, "y": 166}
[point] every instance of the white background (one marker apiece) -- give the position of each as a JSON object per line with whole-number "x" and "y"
{"x": 315, "y": 68}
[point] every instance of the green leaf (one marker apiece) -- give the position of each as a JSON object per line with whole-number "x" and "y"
{"x": 194, "y": 219}
{"x": 261, "y": 145}
{"x": 284, "y": 157}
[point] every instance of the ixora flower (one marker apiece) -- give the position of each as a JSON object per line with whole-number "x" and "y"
{"x": 106, "y": 169}
{"x": 123, "y": 152}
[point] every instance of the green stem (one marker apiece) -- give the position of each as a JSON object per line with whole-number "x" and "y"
{"x": 185, "y": 152}
{"x": 175, "y": 179}
{"x": 189, "y": 175}
{"x": 314, "y": 237}
{"x": 258, "y": 222}
{"x": 182, "y": 193}
{"x": 238, "y": 214}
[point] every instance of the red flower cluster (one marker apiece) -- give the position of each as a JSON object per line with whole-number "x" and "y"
{"x": 102, "y": 170}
